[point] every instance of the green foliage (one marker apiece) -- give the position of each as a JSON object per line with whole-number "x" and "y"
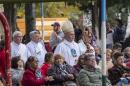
{"x": 52, "y": 9}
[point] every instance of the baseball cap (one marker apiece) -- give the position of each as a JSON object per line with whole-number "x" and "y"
{"x": 55, "y": 24}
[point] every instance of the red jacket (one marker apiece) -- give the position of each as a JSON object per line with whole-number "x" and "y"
{"x": 128, "y": 62}
{"x": 44, "y": 69}
{"x": 2, "y": 62}
{"x": 29, "y": 79}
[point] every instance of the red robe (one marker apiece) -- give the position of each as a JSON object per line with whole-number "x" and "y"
{"x": 30, "y": 79}
{"x": 2, "y": 62}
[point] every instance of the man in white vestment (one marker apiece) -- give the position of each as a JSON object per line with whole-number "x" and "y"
{"x": 18, "y": 48}
{"x": 68, "y": 48}
{"x": 36, "y": 48}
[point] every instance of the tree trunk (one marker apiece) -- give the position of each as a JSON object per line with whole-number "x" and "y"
{"x": 29, "y": 20}
{"x": 94, "y": 16}
{"x": 10, "y": 11}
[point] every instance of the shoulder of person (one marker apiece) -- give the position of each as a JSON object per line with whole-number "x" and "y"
{"x": 28, "y": 44}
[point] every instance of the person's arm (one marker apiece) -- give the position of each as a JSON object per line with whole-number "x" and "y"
{"x": 57, "y": 77}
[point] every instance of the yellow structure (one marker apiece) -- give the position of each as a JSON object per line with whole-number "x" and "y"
{"x": 47, "y": 29}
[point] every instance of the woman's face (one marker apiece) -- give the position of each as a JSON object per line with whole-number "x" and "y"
{"x": 128, "y": 53}
{"x": 34, "y": 64}
{"x": 59, "y": 61}
{"x": 52, "y": 60}
{"x": 20, "y": 64}
{"x": 120, "y": 60}
{"x": 87, "y": 37}
{"x": 108, "y": 56}
{"x": 91, "y": 62}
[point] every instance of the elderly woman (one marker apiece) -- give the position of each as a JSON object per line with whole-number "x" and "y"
{"x": 62, "y": 73}
{"x": 90, "y": 76}
{"x": 31, "y": 77}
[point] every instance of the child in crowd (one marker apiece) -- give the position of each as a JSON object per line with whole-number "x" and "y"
{"x": 48, "y": 62}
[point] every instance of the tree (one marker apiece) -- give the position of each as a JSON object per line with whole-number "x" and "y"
{"x": 29, "y": 20}
{"x": 10, "y": 12}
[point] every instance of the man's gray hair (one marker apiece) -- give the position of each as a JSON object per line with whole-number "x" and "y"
{"x": 32, "y": 33}
{"x": 16, "y": 33}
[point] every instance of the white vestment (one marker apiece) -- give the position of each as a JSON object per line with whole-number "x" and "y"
{"x": 82, "y": 47}
{"x": 70, "y": 51}
{"x": 37, "y": 50}
{"x": 19, "y": 50}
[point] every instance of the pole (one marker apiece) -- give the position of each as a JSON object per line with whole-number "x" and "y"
{"x": 103, "y": 40}
{"x": 42, "y": 20}
{"x": 7, "y": 48}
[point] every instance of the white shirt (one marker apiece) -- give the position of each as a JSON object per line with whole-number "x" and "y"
{"x": 70, "y": 51}
{"x": 37, "y": 50}
{"x": 82, "y": 47}
{"x": 19, "y": 50}
{"x": 109, "y": 39}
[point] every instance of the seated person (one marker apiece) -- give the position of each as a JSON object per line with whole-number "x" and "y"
{"x": 80, "y": 63}
{"x": 17, "y": 70}
{"x": 48, "y": 63}
{"x": 118, "y": 70}
{"x": 30, "y": 77}
{"x": 90, "y": 75}
{"x": 62, "y": 73}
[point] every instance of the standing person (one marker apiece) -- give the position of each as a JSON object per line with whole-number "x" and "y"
{"x": 56, "y": 36}
{"x": 68, "y": 48}
{"x": 18, "y": 48}
{"x": 36, "y": 48}
{"x": 2, "y": 58}
{"x": 97, "y": 55}
{"x": 30, "y": 76}
{"x": 119, "y": 32}
{"x": 88, "y": 41}
{"x": 109, "y": 39}
{"x": 48, "y": 63}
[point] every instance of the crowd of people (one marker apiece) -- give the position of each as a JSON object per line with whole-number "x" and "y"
{"x": 74, "y": 60}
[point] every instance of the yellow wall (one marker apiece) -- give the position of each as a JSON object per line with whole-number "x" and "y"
{"x": 47, "y": 29}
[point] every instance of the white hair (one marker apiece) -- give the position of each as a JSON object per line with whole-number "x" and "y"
{"x": 16, "y": 33}
{"x": 32, "y": 33}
